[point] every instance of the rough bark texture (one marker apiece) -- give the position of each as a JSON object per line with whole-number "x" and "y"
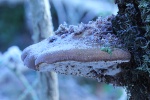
{"x": 42, "y": 28}
{"x": 132, "y": 25}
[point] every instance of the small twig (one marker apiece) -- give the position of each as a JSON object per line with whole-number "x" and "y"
{"x": 27, "y": 91}
{"x": 60, "y": 11}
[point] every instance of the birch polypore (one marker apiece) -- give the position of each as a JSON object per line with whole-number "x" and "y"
{"x": 83, "y": 50}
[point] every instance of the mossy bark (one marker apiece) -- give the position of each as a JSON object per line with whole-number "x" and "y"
{"x": 132, "y": 25}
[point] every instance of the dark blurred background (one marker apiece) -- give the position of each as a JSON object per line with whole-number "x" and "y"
{"x": 13, "y": 29}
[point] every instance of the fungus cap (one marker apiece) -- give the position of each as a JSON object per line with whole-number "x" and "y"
{"x": 83, "y": 50}
{"x": 82, "y": 61}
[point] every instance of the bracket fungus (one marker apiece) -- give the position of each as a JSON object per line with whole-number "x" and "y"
{"x": 88, "y": 50}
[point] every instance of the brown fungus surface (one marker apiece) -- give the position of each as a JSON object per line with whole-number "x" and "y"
{"x": 84, "y": 50}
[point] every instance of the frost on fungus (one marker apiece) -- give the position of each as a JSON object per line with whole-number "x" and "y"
{"x": 89, "y": 50}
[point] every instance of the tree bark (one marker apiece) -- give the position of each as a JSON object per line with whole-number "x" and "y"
{"x": 43, "y": 28}
{"x": 132, "y": 25}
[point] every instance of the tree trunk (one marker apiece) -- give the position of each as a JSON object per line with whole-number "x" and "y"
{"x": 43, "y": 28}
{"x": 132, "y": 25}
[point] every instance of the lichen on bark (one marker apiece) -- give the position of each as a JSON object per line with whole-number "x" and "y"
{"x": 132, "y": 25}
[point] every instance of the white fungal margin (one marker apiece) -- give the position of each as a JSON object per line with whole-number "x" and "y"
{"x": 86, "y": 69}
